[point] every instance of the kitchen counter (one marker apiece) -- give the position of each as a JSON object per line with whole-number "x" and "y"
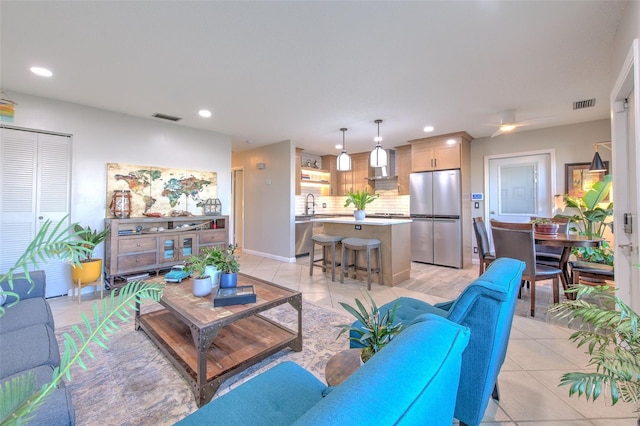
{"x": 350, "y": 220}
{"x": 395, "y": 242}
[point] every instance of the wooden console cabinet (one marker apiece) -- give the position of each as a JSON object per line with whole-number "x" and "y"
{"x": 139, "y": 245}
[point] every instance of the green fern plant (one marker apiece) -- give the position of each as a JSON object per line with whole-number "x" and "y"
{"x": 610, "y": 332}
{"x": 50, "y": 242}
{"x": 18, "y": 398}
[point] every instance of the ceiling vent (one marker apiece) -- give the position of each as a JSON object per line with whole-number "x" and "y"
{"x": 587, "y": 103}
{"x": 166, "y": 117}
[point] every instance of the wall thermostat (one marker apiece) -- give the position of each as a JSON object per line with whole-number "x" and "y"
{"x": 477, "y": 196}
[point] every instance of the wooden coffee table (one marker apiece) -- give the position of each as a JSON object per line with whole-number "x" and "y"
{"x": 207, "y": 345}
{"x": 341, "y": 366}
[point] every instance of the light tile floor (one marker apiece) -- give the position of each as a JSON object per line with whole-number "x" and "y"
{"x": 539, "y": 349}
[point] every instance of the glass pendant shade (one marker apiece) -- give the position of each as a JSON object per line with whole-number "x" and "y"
{"x": 344, "y": 161}
{"x": 378, "y": 157}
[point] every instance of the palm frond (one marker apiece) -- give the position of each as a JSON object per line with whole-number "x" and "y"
{"x": 77, "y": 343}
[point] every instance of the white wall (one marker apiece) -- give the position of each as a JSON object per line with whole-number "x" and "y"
{"x": 269, "y": 200}
{"x": 572, "y": 144}
{"x": 100, "y": 137}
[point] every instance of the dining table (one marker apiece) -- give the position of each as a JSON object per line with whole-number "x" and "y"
{"x": 567, "y": 242}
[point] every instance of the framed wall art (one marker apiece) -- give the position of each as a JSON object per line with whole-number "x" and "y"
{"x": 578, "y": 179}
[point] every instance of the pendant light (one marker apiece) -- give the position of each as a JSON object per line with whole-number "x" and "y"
{"x": 378, "y": 156}
{"x": 344, "y": 161}
{"x": 597, "y": 165}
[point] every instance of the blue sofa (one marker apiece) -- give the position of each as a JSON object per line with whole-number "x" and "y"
{"x": 388, "y": 389}
{"x": 28, "y": 343}
{"x": 486, "y": 307}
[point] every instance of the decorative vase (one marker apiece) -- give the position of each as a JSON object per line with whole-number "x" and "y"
{"x": 359, "y": 214}
{"x": 201, "y": 286}
{"x": 87, "y": 272}
{"x": 228, "y": 280}
{"x": 213, "y": 272}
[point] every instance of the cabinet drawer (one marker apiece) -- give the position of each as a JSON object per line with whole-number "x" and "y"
{"x": 136, "y": 261}
{"x": 209, "y": 237}
{"x": 130, "y": 245}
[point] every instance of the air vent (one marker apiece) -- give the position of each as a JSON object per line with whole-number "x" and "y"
{"x": 588, "y": 103}
{"x": 166, "y": 117}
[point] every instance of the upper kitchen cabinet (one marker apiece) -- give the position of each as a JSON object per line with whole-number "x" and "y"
{"x": 329, "y": 163}
{"x": 298, "y": 171}
{"x": 357, "y": 178}
{"x": 403, "y": 162}
{"x": 439, "y": 152}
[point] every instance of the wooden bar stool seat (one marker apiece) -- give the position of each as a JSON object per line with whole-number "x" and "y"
{"x": 327, "y": 242}
{"x": 360, "y": 244}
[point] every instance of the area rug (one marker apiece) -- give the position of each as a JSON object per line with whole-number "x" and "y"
{"x": 132, "y": 383}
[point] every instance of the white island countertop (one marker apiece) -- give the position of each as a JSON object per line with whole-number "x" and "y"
{"x": 350, "y": 220}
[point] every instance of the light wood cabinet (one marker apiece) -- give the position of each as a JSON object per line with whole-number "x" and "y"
{"x": 329, "y": 163}
{"x": 403, "y": 161}
{"x": 355, "y": 179}
{"x": 137, "y": 245}
{"x": 438, "y": 153}
{"x": 298, "y": 171}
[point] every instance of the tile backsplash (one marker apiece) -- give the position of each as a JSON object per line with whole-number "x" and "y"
{"x": 388, "y": 202}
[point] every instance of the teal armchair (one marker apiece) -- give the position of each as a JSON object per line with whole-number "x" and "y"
{"x": 486, "y": 307}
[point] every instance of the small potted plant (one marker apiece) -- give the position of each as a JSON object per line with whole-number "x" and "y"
{"x": 227, "y": 264}
{"x": 611, "y": 335}
{"x": 374, "y": 331}
{"x": 360, "y": 200}
{"x": 196, "y": 265}
{"x": 213, "y": 254}
{"x": 543, "y": 225}
{"x": 90, "y": 268}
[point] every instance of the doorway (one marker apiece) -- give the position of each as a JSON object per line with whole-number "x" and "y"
{"x": 519, "y": 186}
{"x": 625, "y": 121}
{"x": 237, "y": 207}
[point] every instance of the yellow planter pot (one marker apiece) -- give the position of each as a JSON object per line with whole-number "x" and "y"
{"x": 87, "y": 272}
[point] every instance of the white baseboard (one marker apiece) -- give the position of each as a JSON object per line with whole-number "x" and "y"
{"x": 270, "y": 256}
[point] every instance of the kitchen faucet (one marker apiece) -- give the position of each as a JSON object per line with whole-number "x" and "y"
{"x": 313, "y": 204}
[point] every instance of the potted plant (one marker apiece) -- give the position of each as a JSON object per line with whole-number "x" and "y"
{"x": 543, "y": 225}
{"x": 610, "y": 333}
{"x": 227, "y": 264}
{"x": 592, "y": 219}
{"x": 375, "y": 330}
{"x": 90, "y": 268}
{"x": 19, "y": 397}
{"x": 214, "y": 254}
{"x": 360, "y": 201}
{"x": 196, "y": 266}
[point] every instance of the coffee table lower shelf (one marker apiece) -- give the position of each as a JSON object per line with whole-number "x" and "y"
{"x": 236, "y": 347}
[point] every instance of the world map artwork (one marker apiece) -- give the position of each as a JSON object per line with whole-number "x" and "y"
{"x": 161, "y": 190}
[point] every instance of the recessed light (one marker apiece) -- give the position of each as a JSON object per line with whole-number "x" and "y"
{"x": 42, "y": 72}
{"x": 204, "y": 113}
{"x": 428, "y": 129}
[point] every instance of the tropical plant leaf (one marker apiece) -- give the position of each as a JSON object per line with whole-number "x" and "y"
{"x": 75, "y": 348}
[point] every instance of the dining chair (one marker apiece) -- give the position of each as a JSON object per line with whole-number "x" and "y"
{"x": 482, "y": 239}
{"x": 550, "y": 255}
{"x": 516, "y": 240}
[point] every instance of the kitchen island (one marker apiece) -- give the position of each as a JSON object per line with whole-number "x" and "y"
{"x": 395, "y": 242}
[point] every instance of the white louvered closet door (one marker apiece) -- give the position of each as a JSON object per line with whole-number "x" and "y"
{"x": 35, "y": 171}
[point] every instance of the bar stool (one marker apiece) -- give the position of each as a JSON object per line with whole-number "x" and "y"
{"x": 326, "y": 241}
{"x": 359, "y": 244}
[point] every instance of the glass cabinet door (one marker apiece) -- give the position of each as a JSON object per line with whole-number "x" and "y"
{"x": 168, "y": 249}
{"x": 187, "y": 245}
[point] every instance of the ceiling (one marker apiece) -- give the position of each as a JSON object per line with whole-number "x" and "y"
{"x": 274, "y": 71}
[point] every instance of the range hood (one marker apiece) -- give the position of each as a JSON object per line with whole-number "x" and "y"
{"x": 385, "y": 173}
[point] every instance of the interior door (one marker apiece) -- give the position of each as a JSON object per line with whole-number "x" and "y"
{"x": 238, "y": 207}
{"x": 519, "y": 187}
{"x": 35, "y": 169}
{"x": 626, "y": 161}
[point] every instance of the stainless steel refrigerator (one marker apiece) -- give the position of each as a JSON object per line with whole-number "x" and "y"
{"x": 435, "y": 207}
